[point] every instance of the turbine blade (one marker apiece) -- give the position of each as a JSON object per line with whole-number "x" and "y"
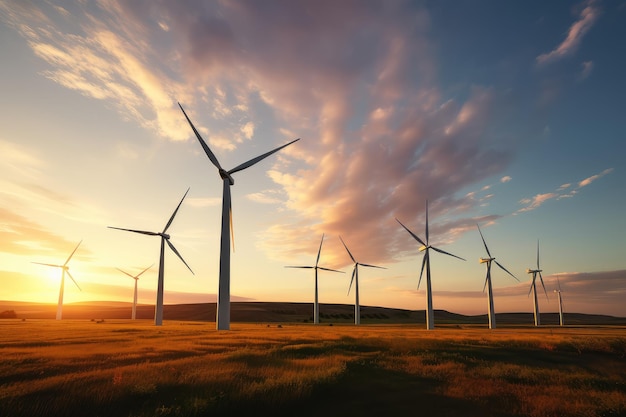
{"x": 230, "y": 219}
{"x": 532, "y": 284}
{"x": 544, "y": 287}
{"x": 344, "y": 245}
{"x": 445, "y": 253}
{"x": 486, "y": 279}
{"x": 143, "y": 232}
{"x": 558, "y": 282}
{"x": 504, "y": 269}
{"x": 70, "y": 275}
{"x": 538, "y": 254}
{"x": 72, "y": 254}
{"x": 53, "y": 265}
{"x": 352, "y": 280}
{"x": 178, "y": 254}
{"x": 175, "y": 211}
{"x": 411, "y": 233}
{"x": 319, "y": 252}
{"x": 372, "y": 266}
{"x": 331, "y": 270}
{"x": 259, "y": 158}
{"x": 305, "y": 267}
{"x": 139, "y": 274}
{"x": 426, "y": 222}
{"x": 206, "y": 148}
{"x": 124, "y": 272}
{"x": 422, "y": 271}
{"x": 483, "y": 238}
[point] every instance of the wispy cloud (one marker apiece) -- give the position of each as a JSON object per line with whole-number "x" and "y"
{"x": 505, "y": 179}
{"x": 588, "y": 15}
{"x": 587, "y": 67}
{"x": 563, "y": 191}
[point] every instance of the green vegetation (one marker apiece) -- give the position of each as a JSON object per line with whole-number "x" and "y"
{"x": 124, "y": 368}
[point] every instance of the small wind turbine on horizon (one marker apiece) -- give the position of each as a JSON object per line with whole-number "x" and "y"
{"x": 492, "y": 314}
{"x": 316, "y": 306}
{"x": 64, "y": 269}
{"x": 165, "y": 238}
{"x": 533, "y": 288}
{"x": 558, "y": 294}
{"x": 223, "y": 294}
{"x": 430, "y": 314}
{"x": 136, "y": 278}
{"x": 355, "y": 279}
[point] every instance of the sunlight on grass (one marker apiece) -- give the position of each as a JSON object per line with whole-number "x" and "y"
{"x": 124, "y": 368}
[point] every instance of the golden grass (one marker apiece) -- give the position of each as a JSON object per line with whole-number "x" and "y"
{"x": 124, "y": 368}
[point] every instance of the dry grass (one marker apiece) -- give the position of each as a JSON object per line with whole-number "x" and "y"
{"x": 121, "y": 368}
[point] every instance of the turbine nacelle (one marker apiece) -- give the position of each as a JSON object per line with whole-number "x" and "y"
{"x": 165, "y": 235}
{"x": 532, "y": 271}
{"x": 485, "y": 260}
{"x": 224, "y": 175}
{"x": 423, "y": 248}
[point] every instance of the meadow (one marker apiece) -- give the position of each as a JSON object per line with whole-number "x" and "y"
{"x": 125, "y": 368}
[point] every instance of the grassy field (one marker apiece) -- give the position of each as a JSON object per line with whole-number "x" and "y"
{"x": 124, "y": 368}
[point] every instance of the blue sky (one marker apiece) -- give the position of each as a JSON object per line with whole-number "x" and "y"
{"x": 507, "y": 114}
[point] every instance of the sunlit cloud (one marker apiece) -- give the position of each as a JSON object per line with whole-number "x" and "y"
{"x": 588, "y": 15}
{"x": 560, "y": 193}
{"x": 505, "y": 179}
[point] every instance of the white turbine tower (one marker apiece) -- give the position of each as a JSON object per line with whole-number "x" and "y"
{"x": 558, "y": 294}
{"x": 533, "y": 287}
{"x": 488, "y": 261}
{"x": 316, "y": 306}
{"x": 165, "y": 238}
{"x": 430, "y": 314}
{"x": 223, "y": 293}
{"x": 355, "y": 279}
{"x": 64, "y": 269}
{"x": 136, "y": 278}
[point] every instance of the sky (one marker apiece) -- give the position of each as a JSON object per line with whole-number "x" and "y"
{"x": 509, "y": 115}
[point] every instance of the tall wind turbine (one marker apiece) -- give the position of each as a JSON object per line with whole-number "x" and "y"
{"x": 136, "y": 278}
{"x": 488, "y": 261}
{"x": 316, "y": 306}
{"x": 533, "y": 287}
{"x": 558, "y": 294}
{"x": 223, "y": 293}
{"x": 430, "y": 314}
{"x": 64, "y": 269}
{"x": 355, "y": 279}
{"x": 165, "y": 238}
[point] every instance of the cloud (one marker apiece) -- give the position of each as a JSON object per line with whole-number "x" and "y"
{"x": 379, "y": 136}
{"x": 591, "y": 179}
{"x": 587, "y": 17}
{"x": 586, "y": 70}
{"x": 559, "y": 193}
{"x": 505, "y": 179}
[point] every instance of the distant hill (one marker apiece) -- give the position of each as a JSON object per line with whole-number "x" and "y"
{"x": 273, "y": 312}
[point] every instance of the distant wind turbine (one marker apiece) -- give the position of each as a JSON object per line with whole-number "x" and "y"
{"x": 355, "y": 279}
{"x": 492, "y": 314}
{"x": 533, "y": 287}
{"x": 558, "y": 293}
{"x": 136, "y": 278}
{"x": 223, "y": 294}
{"x": 64, "y": 269}
{"x": 430, "y": 314}
{"x": 165, "y": 238}
{"x": 316, "y": 306}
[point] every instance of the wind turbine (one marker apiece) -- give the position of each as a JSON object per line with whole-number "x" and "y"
{"x": 492, "y": 314}
{"x": 64, "y": 269}
{"x": 355, "y": 279}
{"x": 223, "y": 293}
{"x": 136, "y": 278}
{"x": 533, "y": 287}
{"x": 165, "y": 238}
{"x": 316, "y": 306}
{"x": 430, "y": 314}
{"x": 558, "y": 293}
